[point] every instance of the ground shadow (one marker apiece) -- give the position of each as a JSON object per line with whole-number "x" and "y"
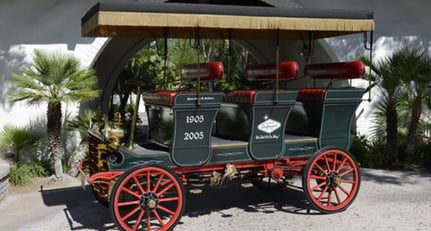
{"x": 392, "y": 177}
{"x": 84, "y": 212}
{"x": 254, "y": 200}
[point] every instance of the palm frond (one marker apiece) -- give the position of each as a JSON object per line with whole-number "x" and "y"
{"x": 54, "y": 77}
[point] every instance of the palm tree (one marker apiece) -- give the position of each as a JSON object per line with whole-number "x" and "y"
{"x": 54, "y": 78}
{"x": 389, "y": 85}
{"x": 81, "y": 124}
{"x": 415, "y": 70}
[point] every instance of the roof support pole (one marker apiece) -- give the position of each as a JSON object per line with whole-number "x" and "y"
{"x": 165, "y": 57}
{"x": 370, "y": 48}
{"x": 277, "y": 62}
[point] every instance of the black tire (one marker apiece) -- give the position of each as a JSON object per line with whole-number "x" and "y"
{"x": 136, "y": 204}
{"x": 331, "y": 180}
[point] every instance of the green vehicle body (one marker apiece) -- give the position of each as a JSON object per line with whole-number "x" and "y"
{"x": 211, "y": 132}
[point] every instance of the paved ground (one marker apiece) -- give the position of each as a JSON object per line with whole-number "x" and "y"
{"x": 386, "y": 201}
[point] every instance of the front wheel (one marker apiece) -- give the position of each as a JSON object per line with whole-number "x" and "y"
{"x": 331, "y": 180}
{"x": 148, "y": 197}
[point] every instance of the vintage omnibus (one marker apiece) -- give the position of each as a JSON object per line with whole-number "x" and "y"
{"x": 206, "y": 137}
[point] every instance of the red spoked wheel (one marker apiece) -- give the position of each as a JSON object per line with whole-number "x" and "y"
{"x": 331, "y": 180}
{"x": 148, "y": 197}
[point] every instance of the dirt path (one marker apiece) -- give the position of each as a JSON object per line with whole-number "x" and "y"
{"x": 386, "y": 201}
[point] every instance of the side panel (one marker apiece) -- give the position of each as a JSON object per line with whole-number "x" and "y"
{"x": 192, "y": 136}
{"x": 336, "y": 126}
{"x": 267, "y": 134}
{"x": 338, "y": 112}
{"x": 193, "y": 122}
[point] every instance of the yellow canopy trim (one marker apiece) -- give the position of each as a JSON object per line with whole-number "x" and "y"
{"x": 151, "y": 25}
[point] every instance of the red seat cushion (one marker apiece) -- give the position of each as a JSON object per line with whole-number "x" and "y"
{"x": 206, "y": 71}
{"x": 287, "y": 70}
{"x": 160, "y": 97}
{"x": 311, "y": 95}
{"x": 343, "y": 70}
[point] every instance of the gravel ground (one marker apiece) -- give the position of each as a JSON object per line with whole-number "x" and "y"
{"x": 387, "y": 200}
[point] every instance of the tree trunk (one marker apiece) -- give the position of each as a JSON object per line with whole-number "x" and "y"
{"x": 77, "y": 156}
{"x": 412, "y": 131}
{"x": 391, "y": 149}
{"x": 54, "y": 137}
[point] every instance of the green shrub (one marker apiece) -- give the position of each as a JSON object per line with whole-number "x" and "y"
{"x": 368, "y": 153}
{"x": 39, "y": 168}
{"x": 16, "y": 138}
{"x": 377, "y": 147}
{"x": 23, "y": 175}
{"x": 360, "y": 149}
{"x": 423, "y": 154}
{"x": 19, "y": 176}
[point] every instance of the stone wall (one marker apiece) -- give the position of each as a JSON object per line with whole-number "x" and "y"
{"x": 4, "y": 179}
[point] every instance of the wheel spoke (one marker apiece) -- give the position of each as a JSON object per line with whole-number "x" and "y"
{"x": 337, "y": 196}
{"x": 148, "y": 221}
{"x": 138, "y": 221}
{"x": 318, "y": 186}
{"x": 158, "y": 182}
{"x": 348, "y": 181}
{"x": 139, "y": 184}
{"x": 323, "y": 193}
{"x": 321, "y": 169}
{"x": 346, "y": 172}
{"x": 327, "y": 163}
{"x": 128, "y": 203}
{"x": 341, "y": 165}
{"x": 329, "y": 197}
{"x": 148, "y": 180}
{"x": 131, "y": 192}
{"x": 335, "y": 161}
{"x": 169, "y": 199}
{"x": 158, "y": 218}
{"x": 344, "y": 190}
{"x": 130, "y": 213}
{"x": 318, "y": 177}
{"x": 166, "y": 210}
{"x": 165, "y": 189}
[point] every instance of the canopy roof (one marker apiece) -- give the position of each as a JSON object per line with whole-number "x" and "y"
{"x": 150, "y": 20}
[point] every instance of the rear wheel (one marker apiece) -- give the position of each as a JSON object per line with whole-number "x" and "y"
{"x": 331, "y": 180}
{"x": 148, "y": 197}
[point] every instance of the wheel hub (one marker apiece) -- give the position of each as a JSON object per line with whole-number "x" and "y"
{"x": 333, "y": 179}
{"x": 149, "y": 201}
